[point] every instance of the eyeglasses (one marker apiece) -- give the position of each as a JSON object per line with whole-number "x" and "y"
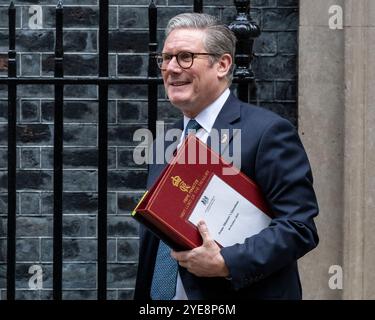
{"x": 184, "y": 59}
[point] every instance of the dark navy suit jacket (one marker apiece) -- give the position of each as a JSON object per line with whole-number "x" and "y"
{"x": 265, "y": 265}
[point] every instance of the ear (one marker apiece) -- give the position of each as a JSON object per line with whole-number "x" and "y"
{"x": 223, "y": 65}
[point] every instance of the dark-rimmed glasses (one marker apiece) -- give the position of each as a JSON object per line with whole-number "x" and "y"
{"x": 185, "y": 59}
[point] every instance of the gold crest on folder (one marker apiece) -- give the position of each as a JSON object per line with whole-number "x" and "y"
{"x": 179, "y": 183}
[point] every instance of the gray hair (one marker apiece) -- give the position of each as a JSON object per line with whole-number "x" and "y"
{"x": 219, "y": 40}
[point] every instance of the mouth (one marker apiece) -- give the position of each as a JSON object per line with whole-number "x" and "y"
{"x": 179, "y": 83}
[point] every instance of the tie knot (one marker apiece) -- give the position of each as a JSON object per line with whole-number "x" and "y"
{"x": 192, "y": 125}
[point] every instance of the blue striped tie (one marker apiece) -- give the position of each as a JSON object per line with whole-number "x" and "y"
{"x": 165, "y": 275}
{"x": 192, "y": 127}
{"x": 164, "y": 281}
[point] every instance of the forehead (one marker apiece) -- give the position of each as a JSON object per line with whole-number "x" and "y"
{"x": 184, "y": 40}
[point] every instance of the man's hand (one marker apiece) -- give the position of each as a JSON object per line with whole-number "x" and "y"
{"x": 203, "y": 261}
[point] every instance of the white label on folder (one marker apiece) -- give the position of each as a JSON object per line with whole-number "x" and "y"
{"x": 230, "y": 217}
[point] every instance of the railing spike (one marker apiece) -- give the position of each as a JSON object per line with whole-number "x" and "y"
{"x": 246, "y": 32}
{"x": 152, "y": 4}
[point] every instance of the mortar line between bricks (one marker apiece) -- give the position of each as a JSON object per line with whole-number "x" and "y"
{"x": 75, "y": 238}
{"x": 87, "y": 262}
{"x": 53, "y": 6}
{"x": 89, "y": 169}
{"x": 83, "y": 146}
{"x": 138, "y": 191}
{"x": 117, "y": 17}
{"x": 94, "y": 99}
{"x": 116, "y": 250}
{"x": 84, "y": 191}
{"x": 93, "y": 53}
{"x": 72, "y": 289}
{"x": 40, "y": 248}
{"x": 139, "y": 124}
{"x": 50, "y": 288}
{"x": 83, "y": 29}
{"x": 20, "y": 65}
{"x": 21, "y": 17}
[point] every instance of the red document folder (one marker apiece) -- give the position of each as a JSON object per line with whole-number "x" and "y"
{"x": 198, "y": 183}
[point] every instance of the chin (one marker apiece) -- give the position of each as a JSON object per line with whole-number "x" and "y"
{"x": 180, "y": 105}
{"x": 178, "y": 101}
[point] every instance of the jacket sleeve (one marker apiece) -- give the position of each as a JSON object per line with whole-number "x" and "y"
{"x": 283, "y": 172}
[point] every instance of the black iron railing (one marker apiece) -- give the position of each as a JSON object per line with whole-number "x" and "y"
{"x": 12, "y": 156}
{"x": 245, "y": 31}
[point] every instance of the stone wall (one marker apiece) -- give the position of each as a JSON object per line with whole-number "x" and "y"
{"x": 336, "y": 113}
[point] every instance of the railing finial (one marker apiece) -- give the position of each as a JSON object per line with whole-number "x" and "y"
{"x": 12, "y": 30}
{"x": 246, "y": 31}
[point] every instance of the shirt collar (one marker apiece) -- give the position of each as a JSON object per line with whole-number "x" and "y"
{"x": 207, "y": 117}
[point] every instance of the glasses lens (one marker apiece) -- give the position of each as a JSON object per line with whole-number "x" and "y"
{"x": 185, "y": 59}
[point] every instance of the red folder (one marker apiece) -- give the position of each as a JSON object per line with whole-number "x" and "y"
{"x": 167, "y": 207}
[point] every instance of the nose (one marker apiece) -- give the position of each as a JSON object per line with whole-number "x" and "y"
{"x": 173, "y": 66}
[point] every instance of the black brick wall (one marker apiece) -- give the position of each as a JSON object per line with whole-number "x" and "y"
{"x": 275, "y": 67}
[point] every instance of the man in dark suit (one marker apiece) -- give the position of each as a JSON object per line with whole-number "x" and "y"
{"x": 197, "y": 66}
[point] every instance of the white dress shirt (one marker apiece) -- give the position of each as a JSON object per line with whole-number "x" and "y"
{"x": 206, "y": 118}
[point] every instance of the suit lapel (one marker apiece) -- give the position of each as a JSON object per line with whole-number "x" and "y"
{"x": 223, "y": 130}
